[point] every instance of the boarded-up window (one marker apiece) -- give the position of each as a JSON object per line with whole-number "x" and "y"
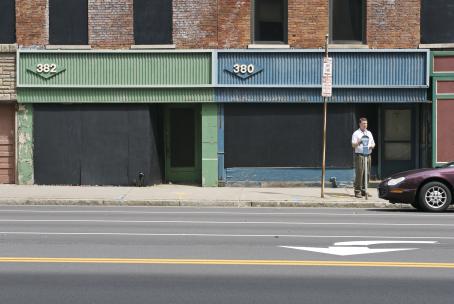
{"x": 287, "y": 135}
{"x": 153, "y": 21}
{"x": 270, "y": 21}
{"x": 68, "y": 22}
{"x": 437, "y": 21}
{"x": 7, "y": 21}
{"x": 96, "y": 144}
{"x": 347, "y": 20}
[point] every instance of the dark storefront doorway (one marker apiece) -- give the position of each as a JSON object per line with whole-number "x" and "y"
{"x": 395, "y": 130}
{"x": 182, "y": 144}
{"x": 399, "y": 150}
{"x": 7, "y": 151}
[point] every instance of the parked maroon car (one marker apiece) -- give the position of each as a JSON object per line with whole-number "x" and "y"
{"x": 425, "y": 189}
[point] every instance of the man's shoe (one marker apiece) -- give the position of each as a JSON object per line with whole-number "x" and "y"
{"x": 358, "y": 194}
{"x": 363, "y": 193}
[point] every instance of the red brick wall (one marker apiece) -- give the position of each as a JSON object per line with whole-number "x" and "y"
{"x": 32, "y": 22}
{"x": 195, "y": 23}
{"x": 234, "y": 23}
{"x": 307, "y": 23}
{"x": 226, "y": 23}
{"x": 393, "y": 23}
{"x": 110, "y": 23}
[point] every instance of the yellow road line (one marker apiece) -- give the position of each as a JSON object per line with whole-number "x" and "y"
{"x": 226, "y": 262}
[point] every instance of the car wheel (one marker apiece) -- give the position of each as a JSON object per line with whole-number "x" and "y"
{"x": 434, "y": 197}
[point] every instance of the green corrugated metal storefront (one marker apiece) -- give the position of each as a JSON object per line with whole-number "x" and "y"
{"x": 164, "y": 80}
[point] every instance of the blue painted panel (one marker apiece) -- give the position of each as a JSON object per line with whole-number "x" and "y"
{"x": 349, "y": 68}
{"x": 287, "y": 174}
{"x": 314, "y": 95}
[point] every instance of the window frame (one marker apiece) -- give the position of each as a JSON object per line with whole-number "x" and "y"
{"x": 52, "y": 42}
{"x": 153, "y": 45}
{"x": 363, "y": 25}
{"x": 14, "y": 41}
{"x": 254, "y": 25}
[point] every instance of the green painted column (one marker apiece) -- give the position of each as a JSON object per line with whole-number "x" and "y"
{"x": 209, "y": 145}
{"x": 25, "y": 144}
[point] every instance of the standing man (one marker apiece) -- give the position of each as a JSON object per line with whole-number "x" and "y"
{"x": 363, "y": 143}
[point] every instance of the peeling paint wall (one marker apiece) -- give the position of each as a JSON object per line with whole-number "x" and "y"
{"x": 25, "y": 145}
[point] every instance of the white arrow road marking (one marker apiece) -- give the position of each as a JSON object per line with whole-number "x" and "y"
{"x": 344, "y": 251}
{"x": 367, "y": 243}
{"x": 359, "y": 247}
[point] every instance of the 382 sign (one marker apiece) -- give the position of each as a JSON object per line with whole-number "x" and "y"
{"x": 46, "y": 68}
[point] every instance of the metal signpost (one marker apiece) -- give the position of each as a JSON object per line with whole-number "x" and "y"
{"x": 365, "y": 143}
{"x": 327, "y": 91}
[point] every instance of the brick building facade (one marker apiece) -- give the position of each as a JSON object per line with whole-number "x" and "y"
{"x": 385, "y": 36}
{"x": 226, "y": 24}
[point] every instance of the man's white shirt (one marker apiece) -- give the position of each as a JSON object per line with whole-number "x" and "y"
{"x": 357, "y": 135}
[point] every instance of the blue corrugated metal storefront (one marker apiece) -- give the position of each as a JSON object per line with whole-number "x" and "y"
{"x": 383, "y": 80}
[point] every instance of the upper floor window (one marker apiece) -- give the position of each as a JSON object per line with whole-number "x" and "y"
{"x": 68, "y": 22}
{"x": 270, "y": 21}
{"x": 347, "y": 21}
{"x": 437, "y": 21}
{"x": 153, "y": 21}
{"x": 7, "y": 22}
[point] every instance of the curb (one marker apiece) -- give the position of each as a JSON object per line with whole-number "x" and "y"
{"x": 190, "y": 203}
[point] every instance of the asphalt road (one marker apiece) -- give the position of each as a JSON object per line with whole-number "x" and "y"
{"x": 224, "y": 255}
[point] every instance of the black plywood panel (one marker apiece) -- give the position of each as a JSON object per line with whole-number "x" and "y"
{"x": 437, "y": 21}
{"x": 286, "y": 135}
{"x": 97, "y": 144}
{"x": 153, "y": 21}
{"x": 105, "y": 148}
{"x": 339, "y": 129}
{"x": 7, "y": 21}
{"x": 68, "y": 22}
{"x": 143, "y": 151}
{"x": 57, "y": 144}
{"x": 157, "y": 144}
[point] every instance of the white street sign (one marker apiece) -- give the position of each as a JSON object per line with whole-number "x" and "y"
{"x": 359, "y": 247}
{"x": 327, "y": 77}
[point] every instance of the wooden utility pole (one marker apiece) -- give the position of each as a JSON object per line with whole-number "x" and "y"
{"x": 326, "y": 92}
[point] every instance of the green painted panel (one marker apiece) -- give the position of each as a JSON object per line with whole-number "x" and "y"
{"x": 209, "y": 173}
{"x": 209, "y": 145}
{"x": 116, "y": 68}
{"x": 38, "y": 95}
{"x": 25, "y": 145}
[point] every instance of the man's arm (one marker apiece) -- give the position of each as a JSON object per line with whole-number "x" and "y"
{"x": 355, "y": 141}
{"x": 372, "y": 142}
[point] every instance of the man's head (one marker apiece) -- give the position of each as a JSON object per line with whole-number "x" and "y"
{"x": 363, "y": 123}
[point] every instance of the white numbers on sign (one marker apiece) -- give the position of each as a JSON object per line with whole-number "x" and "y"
{"x": 46, "y": 68}
{"x": 243, "y": 68}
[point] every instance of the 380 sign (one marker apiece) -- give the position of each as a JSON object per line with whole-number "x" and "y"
{"x": 243, "y": 68}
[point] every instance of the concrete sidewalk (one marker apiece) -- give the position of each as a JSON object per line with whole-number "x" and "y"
{"x": 178, "y": 195}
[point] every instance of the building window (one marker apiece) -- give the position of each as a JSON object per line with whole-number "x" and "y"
{"x": 347, "y": 21}
{"x": 68, "y": 22}
{"x": 7, "y": 21}
{"x": 153, "y": 21}
{"x": 270, "y": 21}
{"x": 437, "y": 21}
